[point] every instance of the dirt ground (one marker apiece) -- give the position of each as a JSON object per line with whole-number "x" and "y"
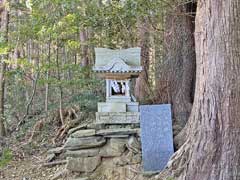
{"x": 28, "y": 158}
{"x": 28, "y": 169}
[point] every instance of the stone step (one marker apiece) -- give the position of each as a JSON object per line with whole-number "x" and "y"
{"x": 117, "y": 136}
{"x": 84, "y": 143}
{"x": 79, "y": 127}
{"x": 83, "y": 133}
{"x": 118, "y": 131}
{"x": 82, "y": 153}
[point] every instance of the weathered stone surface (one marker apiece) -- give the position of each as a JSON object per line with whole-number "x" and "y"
{"x": 56, "y": 150}
{"x": 129, "y": 159}
{"x": 119, "y": 131}
{"x": 133, "y": 107}
{"x": 106, "y": 56}
{"x": 88, "y": 164}
{"x": 84, "y": 143}
{"x": 81, "y": 126}
{"x": 117, "y": 118}
{"x": 83, "y": 133}
{"x": 112, "y": 107}
{"x": 108, "y": 170}
{"x": 117, "y": 136}
{"x": 134, "y": 145}
{"x": 82, "y": 153}
{"x": 83, "y": 178}
{"x": 156, "y": 136}
{"x": 95, "y": 126}
{"x": 114, "y": 147}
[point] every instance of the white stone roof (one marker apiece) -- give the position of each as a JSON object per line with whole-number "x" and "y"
{"x": 118, "y": 66}
{"x": 118, "y": 61}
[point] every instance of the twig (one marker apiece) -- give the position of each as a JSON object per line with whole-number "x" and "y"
{"x": 30, "y": 101}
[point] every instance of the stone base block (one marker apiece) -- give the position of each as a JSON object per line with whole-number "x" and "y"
{"x": 133, "y": 107}
{"x": 88, "y": 164}
{"x": 118, "y": 107}
{"x": 112, "y": 107}
{"x": 117, "y": 118}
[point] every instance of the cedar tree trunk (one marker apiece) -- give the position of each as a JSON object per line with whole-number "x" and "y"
{"x": 212, "y": 150}
{"x": 179, "y": 66}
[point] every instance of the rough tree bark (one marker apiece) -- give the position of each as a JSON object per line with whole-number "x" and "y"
{"x": 4, "y": 33}
{"x": 84, "y": 48}
{"x": 141, "y": 89}
{"x": 211, "y": 151}
{"x": 179, "y": 63}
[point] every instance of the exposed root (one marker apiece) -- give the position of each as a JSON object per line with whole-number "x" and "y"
{"x": 71, "y": 118}
{"x": 177, "y": 164}
{"x": 63, "y": 131}
{"x": 35, "y": 130}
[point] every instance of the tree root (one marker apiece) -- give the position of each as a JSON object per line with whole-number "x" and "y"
{"x": 72, "y": 118}
{"x": 177, "y": 164}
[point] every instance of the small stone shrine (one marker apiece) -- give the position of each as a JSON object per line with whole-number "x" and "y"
{"x": 118, "y": 67}
{"x": 109, "y": 145}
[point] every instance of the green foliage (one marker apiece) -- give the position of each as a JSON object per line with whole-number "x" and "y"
{"x": 47, "y": 33}
{"x": 6, "y": 157}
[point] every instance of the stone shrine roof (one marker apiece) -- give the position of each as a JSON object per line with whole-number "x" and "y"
{"x": 118, "y": 61}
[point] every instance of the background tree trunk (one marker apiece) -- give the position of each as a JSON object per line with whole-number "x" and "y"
{"x": 212, "y": 148}
{"x": 59, "y": 86}
{"x": 84, "y": 48}
{"x": 178, "y": 71}
{"x": 4, "y": 35}
{"x": 142, "y": 88}
{"x": 47, "y": 77}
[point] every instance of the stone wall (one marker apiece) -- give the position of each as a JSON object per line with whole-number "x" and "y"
{"x": 111, "y": 152}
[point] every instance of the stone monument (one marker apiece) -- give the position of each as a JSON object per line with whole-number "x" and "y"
{"x": 156, "y": 136}
{"x": 118, "y": 67}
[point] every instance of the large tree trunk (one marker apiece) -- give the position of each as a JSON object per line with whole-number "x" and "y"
{"x": 212, "y": 150}
{"x": 179, "y": 68}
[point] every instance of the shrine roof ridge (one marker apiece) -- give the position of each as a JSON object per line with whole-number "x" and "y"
{"x": 118, "y": 61}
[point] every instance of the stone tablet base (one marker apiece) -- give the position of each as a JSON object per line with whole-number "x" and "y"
{"x": 117, "y": 117}
{"x": 118, "y": 107}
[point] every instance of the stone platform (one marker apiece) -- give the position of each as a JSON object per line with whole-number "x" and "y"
{"x": 87, "y": 149}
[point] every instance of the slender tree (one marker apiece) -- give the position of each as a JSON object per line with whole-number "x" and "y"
{"x": 4, "y": 36}
{"x": 84, "y": 48}
{"x": 211, "y": 151}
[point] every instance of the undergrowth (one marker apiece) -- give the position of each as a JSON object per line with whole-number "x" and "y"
{"x": 6, "y": 157}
